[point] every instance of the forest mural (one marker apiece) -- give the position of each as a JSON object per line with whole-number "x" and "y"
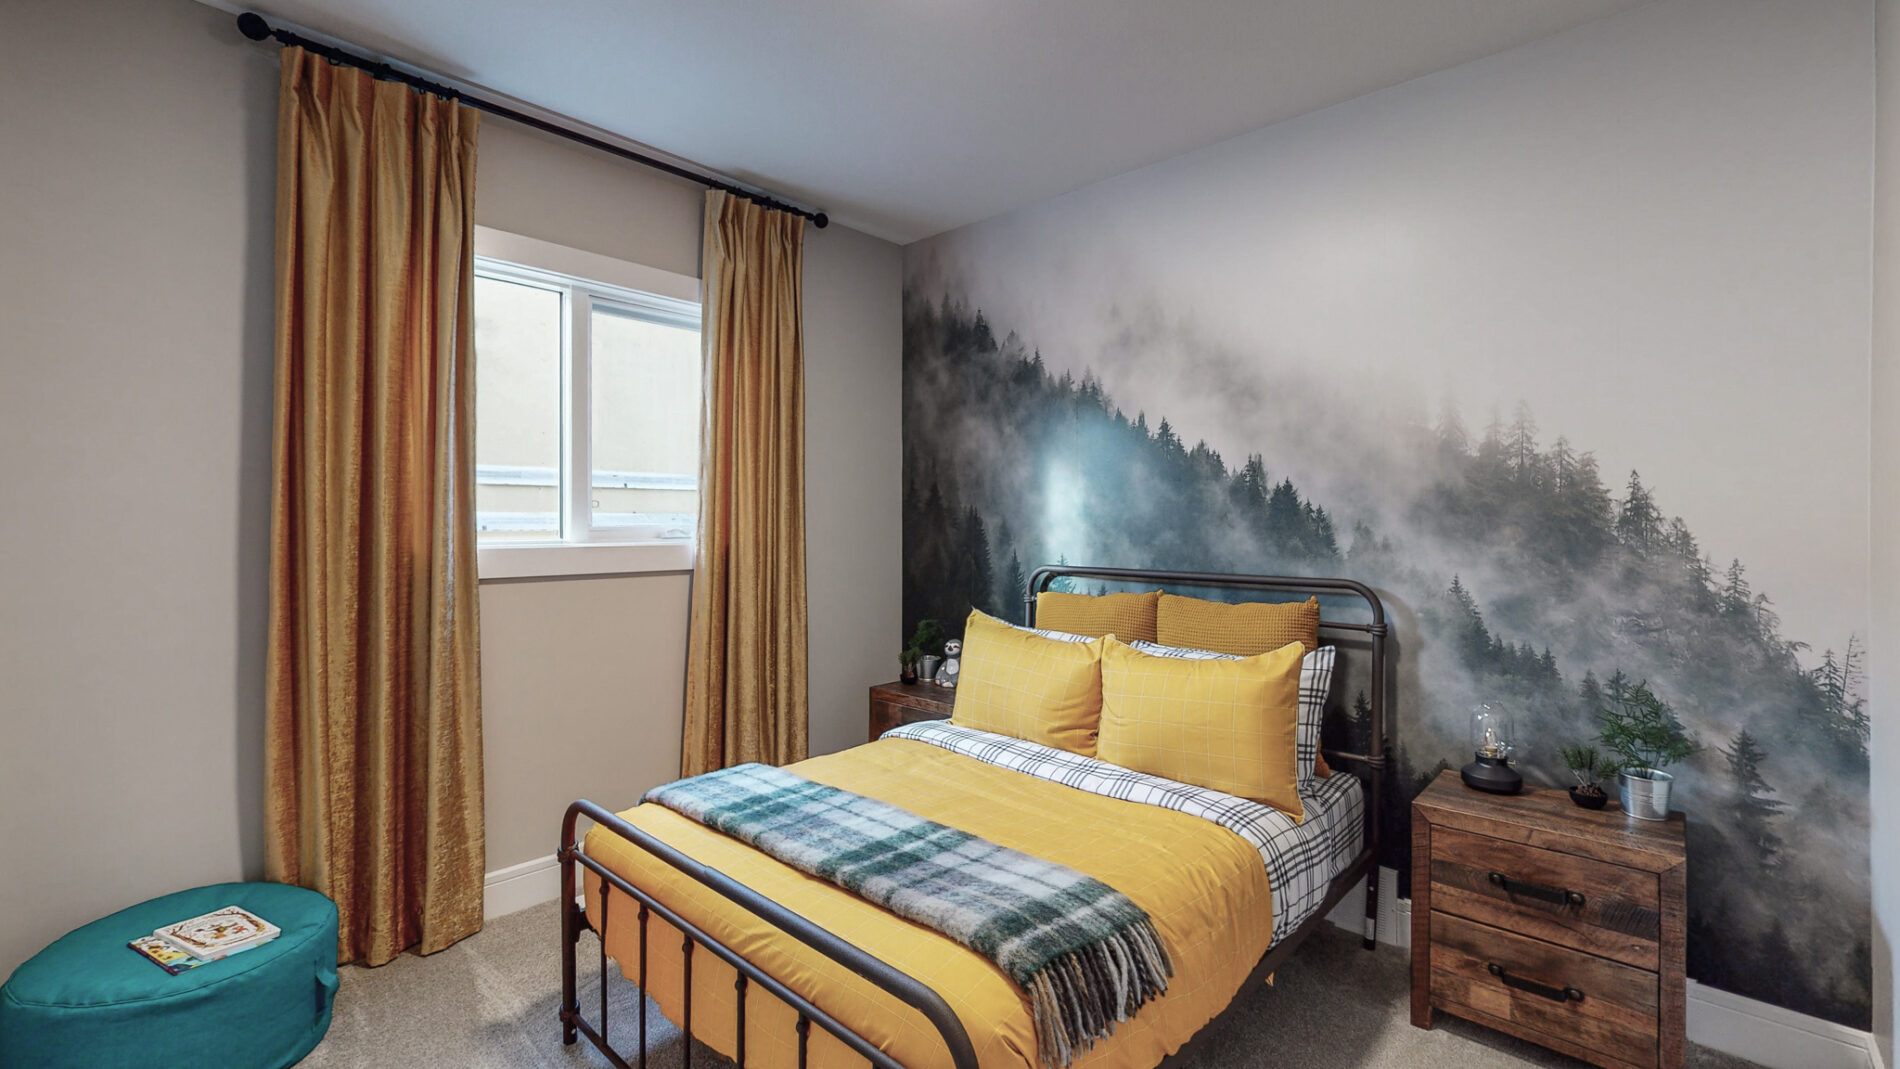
{"x": 1516, "y": 569}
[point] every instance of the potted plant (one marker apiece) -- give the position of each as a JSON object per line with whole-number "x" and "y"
{"x": 1644, "y": 734}
{"x": 1590, "y": 768}
{"x": 926, "y": 648}
{"x": 907, "y": 665}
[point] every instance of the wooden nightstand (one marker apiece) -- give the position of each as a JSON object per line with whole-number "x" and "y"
{"x": 894, "y": 704}
{"x": 1560, "y": 925}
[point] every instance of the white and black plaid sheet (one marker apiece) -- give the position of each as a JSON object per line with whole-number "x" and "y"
{"x": 1301, "y": 859}
{"x": 1316, "y": 682}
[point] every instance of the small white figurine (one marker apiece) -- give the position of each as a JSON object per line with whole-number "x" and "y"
{"x": 952, "y": 663}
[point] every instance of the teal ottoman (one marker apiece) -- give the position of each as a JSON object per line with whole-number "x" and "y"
{"x": 89, "y": 1002}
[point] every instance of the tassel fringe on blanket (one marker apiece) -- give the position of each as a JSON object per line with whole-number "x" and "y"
{"x": 1085, "y": 955}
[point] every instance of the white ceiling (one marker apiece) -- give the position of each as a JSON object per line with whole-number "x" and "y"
{"x": 904, "y": 118}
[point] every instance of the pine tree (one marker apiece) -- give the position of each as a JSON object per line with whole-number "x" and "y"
{"x": 1752, "y": 808}
{"x": 1639, "y": 524}
{"x": 1737, "y": 601}
{"x": 1015, "y": 588}
{"x": 1590, "y": 694}
{"x": 1453, "y": 439}
{"x": 1520, "y": 442}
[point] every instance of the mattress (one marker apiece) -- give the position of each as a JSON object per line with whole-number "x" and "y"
{"x": 1207, "y": 889}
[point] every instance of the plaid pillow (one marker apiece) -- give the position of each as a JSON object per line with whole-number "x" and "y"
{"x": 1316, "y": 682}
{"x": 1059, "y": 636}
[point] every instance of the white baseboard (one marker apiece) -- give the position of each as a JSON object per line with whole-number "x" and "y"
{"x": 517, "y": 887}
{"x": 1772, "y": 1036}
{"x": 1758, "y": 1031}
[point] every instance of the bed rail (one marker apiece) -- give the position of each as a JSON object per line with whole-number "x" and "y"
{"x": 900, "y": 985}
{"x": 1371, "y": 766}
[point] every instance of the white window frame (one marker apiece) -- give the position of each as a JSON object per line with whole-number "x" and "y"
{"x": 585, "y": 279}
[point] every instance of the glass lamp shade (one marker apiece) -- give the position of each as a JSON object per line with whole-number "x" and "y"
{"x": 1494, "y": 747}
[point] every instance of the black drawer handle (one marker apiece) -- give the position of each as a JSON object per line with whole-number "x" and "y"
{"x": 1555, "y": 994}
{"x": 1556, "y": 896}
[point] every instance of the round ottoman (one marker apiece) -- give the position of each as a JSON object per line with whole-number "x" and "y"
{"x": 90, "y": 1001}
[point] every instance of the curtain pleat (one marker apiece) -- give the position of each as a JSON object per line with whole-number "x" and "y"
{"x": 373, "y": 774}
{"x": 746, "y": 663}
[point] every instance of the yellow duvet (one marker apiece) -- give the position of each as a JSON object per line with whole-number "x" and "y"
{"x": 1205, "y": 887}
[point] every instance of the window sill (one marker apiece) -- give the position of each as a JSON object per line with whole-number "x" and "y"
{"x": 555, "y": 559}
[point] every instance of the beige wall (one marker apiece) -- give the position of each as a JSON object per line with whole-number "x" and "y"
{"x": 135, "y": 392}
{"x": 1883, "y": 646}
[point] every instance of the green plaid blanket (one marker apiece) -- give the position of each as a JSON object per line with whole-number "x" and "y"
{"x": 1086, "y": 956}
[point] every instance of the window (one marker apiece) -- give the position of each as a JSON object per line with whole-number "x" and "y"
{"x": 587, "y": 403}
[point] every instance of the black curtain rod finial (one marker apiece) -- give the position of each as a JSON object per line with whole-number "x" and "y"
{"x": 252, "y": 25}
{"x": 821, "y": 220}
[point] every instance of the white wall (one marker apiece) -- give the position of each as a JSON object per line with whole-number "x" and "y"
{"x": 1883, "y": 670}
{"x": 135, "y": 397}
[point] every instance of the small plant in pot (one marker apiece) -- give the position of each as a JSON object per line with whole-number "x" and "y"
{"x": 925, "y": 651}
{"x": 907, "y": 665}
{"x": 1590, "y": 768}
{"x": 1644, "y": 734}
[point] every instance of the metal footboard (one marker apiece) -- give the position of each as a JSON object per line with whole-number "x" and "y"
{"x": 900, "y": 985}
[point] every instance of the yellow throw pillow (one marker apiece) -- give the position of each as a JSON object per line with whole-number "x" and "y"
{"x": 1018, "y": 683}
{"x": 1231, "y": 726}
{"x": 1245, "y": 630}
{"x": 1129, "y": 617}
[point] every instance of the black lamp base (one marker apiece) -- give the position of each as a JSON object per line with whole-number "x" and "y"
{"x": 1492, "y": 774}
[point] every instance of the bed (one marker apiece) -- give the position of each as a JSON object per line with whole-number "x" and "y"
{"x": 777, "y": 969}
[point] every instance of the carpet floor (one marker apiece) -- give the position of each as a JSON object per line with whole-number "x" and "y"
{"x": 489, "y": 1003}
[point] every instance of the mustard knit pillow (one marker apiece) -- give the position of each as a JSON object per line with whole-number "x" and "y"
{"x": 1129, "y": 617}
{"x": 1230, "y": 726}
{"x": 1247, "y": 630}
{"x": 1018, "y": 683}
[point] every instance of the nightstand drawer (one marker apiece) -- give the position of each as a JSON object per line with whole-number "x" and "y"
{"x": 1560, "y": 898}
{"x": 894, "y": 705}
{"x": 1558, "y": 992}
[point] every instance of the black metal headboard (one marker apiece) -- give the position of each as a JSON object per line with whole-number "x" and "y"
{"x": 1371, "y": 765}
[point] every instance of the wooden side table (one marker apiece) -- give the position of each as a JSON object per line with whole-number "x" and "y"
{"x": 1560, "y": 925}
{"x": 896, "y": 704}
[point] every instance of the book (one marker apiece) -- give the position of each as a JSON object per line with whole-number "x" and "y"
{"x": 219, "y": 933}
{"x": 164, "y": 955}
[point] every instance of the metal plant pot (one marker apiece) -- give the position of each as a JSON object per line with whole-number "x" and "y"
{"x": 1645, "y": 793}
{"x": 927, "y": 668}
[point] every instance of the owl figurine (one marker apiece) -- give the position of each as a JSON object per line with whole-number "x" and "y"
{"x": 952, "y": 663}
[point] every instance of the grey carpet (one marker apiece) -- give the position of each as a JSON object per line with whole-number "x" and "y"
{"x": 489, "y": 1003}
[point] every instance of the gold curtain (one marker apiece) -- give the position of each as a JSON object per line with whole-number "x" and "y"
{"x": 745, "y": 680}
{"x": 373, "y": 774}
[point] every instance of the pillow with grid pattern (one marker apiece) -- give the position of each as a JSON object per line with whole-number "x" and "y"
{"x": 1018, "y": 683}
{"x": 1129, "y": 617}
{"x": 1316, "y": 682}
{"x": 1247, "y": 629}
{"x": 1229, "y": 725}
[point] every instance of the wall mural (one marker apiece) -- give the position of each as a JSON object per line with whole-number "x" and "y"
{"x": 1516, "y": 571}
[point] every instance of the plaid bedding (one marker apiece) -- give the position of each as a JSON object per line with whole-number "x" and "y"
{"x": 1300, "y": 859}
{"x": 1086, "y": 956}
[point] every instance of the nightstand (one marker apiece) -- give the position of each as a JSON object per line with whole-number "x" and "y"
{"x": 1557, "y": 924}
{"x": 895, "y": 704}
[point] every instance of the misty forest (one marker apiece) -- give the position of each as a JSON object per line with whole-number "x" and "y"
{"x": 1516, "y": 572}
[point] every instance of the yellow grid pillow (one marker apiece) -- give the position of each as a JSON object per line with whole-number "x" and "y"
{"x": 1245, "y": 630}
{"x": 1231, "y": 726}
{"x": 1018, "y": 683}
{"x": 1129, "y": 617}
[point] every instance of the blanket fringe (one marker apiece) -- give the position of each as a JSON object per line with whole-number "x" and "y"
{"x": 1079, "y": 997}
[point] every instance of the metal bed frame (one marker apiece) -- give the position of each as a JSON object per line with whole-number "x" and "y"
{"x": 902, "y": 986}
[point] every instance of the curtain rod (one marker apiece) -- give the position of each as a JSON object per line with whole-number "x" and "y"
{"x": 253, "y": 26}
